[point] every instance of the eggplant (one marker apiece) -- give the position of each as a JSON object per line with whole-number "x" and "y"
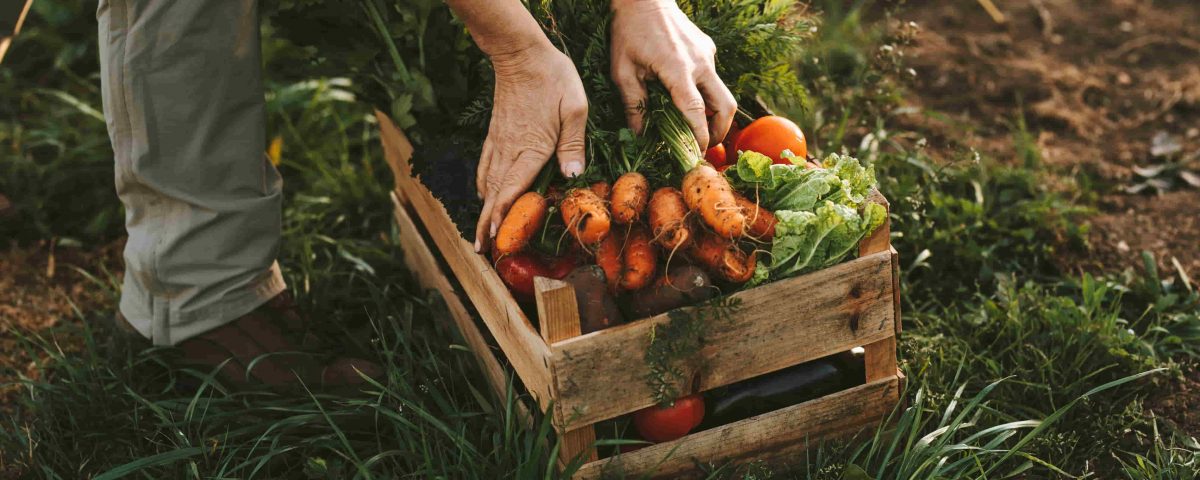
{"x": 784, "y": 388}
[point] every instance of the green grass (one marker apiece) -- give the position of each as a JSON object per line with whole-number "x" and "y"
{"x": 1013, "y": 367}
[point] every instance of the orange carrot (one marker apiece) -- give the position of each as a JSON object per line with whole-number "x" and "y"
{"x": 608, "y": 257}
{"x": 586, "y": 216}
{"x": 707, "y": 191}
{"x": 522, "y": 222}
{"x": 760, "y": 222}
{"x": 639, "y": 258}
{"x": 722, "y": 258}
{"x": 668, "y": 219}
{"x": 629, "y": 195}
{"x": 601, "y": 189}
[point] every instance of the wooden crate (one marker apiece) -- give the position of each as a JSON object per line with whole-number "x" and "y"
{"x": 579, "y": 380}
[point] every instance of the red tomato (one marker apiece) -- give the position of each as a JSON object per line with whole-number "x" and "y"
{"x": 731, "y": 143}
{"x": 770, "y": 136}
{"x": 518, "y": 269}
{"x": 658, "y": 424}
{"x": 716, "y": 155}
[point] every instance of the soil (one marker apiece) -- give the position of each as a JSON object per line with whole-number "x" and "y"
{"x": 1096, "y": 81}
{"x": 40, "y": 288}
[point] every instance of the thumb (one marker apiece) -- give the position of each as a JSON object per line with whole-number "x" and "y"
{"x": 570, "y": 149}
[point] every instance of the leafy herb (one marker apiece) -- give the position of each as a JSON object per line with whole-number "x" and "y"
{"x": 676, "y": 343}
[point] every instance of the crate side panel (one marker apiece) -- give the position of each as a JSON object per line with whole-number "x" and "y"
{"x": 424, "y": 265}
{"x": 522, "y": 346}
{"x": 601, "y": 375}
{"x": 779, "y": 434}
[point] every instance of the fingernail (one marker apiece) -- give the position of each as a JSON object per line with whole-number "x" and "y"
{"x": 494, "y": 228}
{"x": 573, "y": 168}
{"x": 478, "y": 246}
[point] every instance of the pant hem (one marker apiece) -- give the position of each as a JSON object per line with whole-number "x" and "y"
{"x": 185, "y": 325}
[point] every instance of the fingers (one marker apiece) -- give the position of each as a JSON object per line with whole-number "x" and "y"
{"x": 481, "y": 172}
{"x": 482, "y": 227}
{"x": 687, "y": 99}
{"x": 570, "y": 149}
{"x": 633, "y": 95}
{"x": 503, "y": 186}
{"x": 720, "y": 100}
{"x": 516, "y": 181}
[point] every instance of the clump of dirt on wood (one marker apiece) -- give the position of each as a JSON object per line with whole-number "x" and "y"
{"x": 1096, "y": 81}
{"x": 40, "y": 289}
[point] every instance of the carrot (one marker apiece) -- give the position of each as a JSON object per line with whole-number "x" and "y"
{"x": 760, "y": 222}
{"x": 608, "y": 257}
{"x": 586, "y": 216}
{"x": 601, "y": 189}
{"x": 707, "y": 191}
{"x": 628, "y": 199}
{"x": 668, "y": 219}
{"x": 722, "y": 258}
{"x": 522, "y": 222}
{"x": 639, "y": 258}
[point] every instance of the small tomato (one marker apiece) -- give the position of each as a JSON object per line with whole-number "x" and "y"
{"x": 730, "y": 143}
{"x": 659, "y": 424}
{"x": 716, "y": 155}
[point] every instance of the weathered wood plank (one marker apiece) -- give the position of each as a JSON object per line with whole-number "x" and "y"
{"x": 423, "y": 264}
{"x": 558, "y": 314}
{"x": 524, "y": 348}
{"x": 600, "y": 375}
{"x": 781, "y": 434}
{"x": 880, "y": 358}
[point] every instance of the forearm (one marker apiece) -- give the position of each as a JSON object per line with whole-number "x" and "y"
{"x": 499, "y": 27}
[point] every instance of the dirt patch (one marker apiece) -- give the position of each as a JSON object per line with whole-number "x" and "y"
{"x": 1181, "y": 405}
{"x": 40, "y": 289}
{"x": 1095, "y": 81}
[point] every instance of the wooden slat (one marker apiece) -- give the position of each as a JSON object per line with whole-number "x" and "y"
{"x": 524, "y": 348}
{"x": 782, "y": 434}
{"x": 558, "y": 315}
{"x": 424, "y": 265}
{"x": 600, "y": 375}
{"x": 879, "y": 358}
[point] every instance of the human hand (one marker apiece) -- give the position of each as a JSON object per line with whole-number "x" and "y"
{"x": 539, "y": 109}
{"x": 654, "y": 39}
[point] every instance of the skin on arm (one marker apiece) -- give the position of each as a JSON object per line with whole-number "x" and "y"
{"x": 539, "y": 107}
{"x": 654, "y": 39}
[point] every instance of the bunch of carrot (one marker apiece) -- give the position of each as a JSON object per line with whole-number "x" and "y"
{"x": 627, "y": 229}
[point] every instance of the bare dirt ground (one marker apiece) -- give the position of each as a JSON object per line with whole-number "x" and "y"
{"x": 39, "y": 289}
{"x": 1097, "y": 81}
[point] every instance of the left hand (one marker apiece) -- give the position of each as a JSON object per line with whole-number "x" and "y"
{"x": 654, "y": 39}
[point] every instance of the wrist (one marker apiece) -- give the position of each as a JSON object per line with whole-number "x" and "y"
{"x": 512, "y": 45}
{"x": 513, "y": 61}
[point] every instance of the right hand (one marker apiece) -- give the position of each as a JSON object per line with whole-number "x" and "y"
{"x": 539, "y": 109}
{"x": 654, "y": 39}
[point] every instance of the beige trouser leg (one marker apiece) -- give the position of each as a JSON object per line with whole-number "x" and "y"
{"x": 183, "y": 99}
